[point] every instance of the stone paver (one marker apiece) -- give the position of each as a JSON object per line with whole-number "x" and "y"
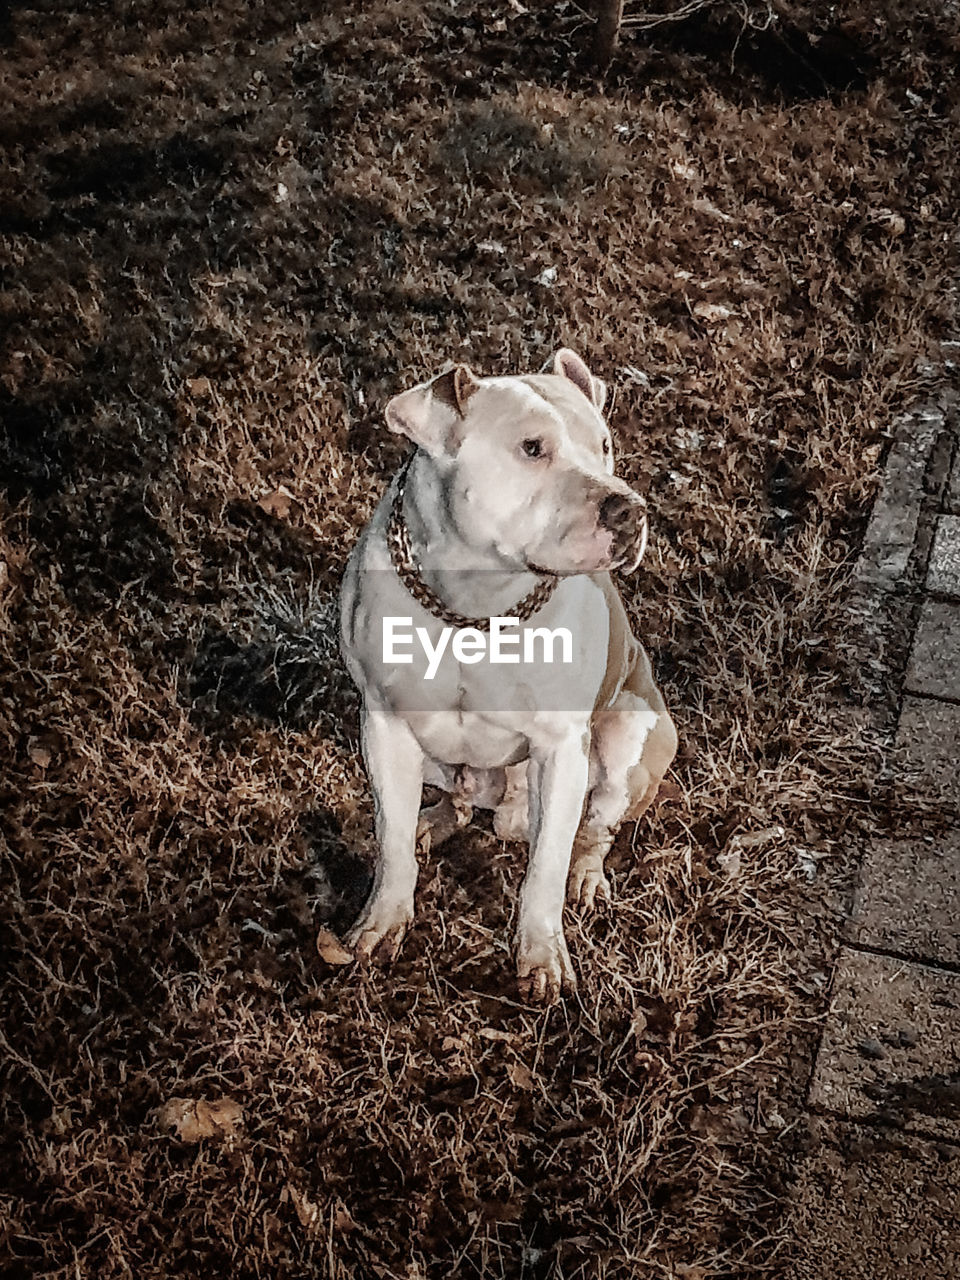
{"x": 908, "y": 899}
{"x": 892, "y": 531}
{"x": 952, "y": 500}
{"x": 943, "y": 572}
{"x": 934, "y": 667}
{"x": 929, "y": 735}
{"x": 876, "y": 1206}
{"x": 891, "y": 1046}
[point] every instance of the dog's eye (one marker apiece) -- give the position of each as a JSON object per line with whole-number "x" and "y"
{"x": 606, "y": 448}
{"x": 532, "y": 448}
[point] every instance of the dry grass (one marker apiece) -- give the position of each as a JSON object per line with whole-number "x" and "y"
{"x": 230, "y": 234}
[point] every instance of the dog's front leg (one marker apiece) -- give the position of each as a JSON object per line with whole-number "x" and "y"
{"x": 394, "y": 761}
{"x": 557, "y": 788}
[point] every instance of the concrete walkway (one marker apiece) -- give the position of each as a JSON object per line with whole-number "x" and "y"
{"x": 879, "y": 1194}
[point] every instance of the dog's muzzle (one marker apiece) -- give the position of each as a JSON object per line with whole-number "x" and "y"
{"x": 625, "y": 516}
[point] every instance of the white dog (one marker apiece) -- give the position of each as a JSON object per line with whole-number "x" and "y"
{"x": 508, "y": 509}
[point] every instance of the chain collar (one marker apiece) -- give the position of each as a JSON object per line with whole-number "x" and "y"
{"x": 408, "y": 571}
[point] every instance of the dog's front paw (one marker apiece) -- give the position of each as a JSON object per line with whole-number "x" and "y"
{"x": 380, "y": 930}
{"x": 544, "y": 970}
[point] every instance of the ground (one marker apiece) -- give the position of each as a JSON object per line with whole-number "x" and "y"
{"x": 230, "y": 232}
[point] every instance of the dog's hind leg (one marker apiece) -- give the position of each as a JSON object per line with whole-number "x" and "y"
{"x": 438, "y": 822}
{"x": 511, "y": 818}
{"x": 632, "y": 745}
{"x": 449, "y": 814}
{"x": 464, "y": 790}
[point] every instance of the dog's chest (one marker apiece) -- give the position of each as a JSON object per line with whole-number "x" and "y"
{"x": 465, "y": 703}
{"x": 478, "y": 740}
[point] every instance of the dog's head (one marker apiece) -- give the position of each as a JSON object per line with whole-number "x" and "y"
{"x": 525, "y": 465}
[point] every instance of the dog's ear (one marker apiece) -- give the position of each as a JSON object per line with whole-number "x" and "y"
{"x": 427, "y": 413}
{"x": 568, "y": 365}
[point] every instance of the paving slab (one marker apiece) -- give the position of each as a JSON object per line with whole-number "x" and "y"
{"x": 908, "y": 899}
{"x": 943, "y": 571}
{"x": 929, "y": 736}
{"x": 934, "y": 666}
{"x": 891, "y": 1045}
{"x": 870, "y": 1205}
{"x": 952, "y": 499}
{"x": 890, "y": 536}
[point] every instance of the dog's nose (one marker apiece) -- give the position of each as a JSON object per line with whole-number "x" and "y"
{"x": 620, "y": 511}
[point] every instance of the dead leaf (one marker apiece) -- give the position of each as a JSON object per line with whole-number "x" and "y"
{"x": 39, "y": 755}
{"x": 343, "y": 1221}
{"x": 751, "y": 839}
{"x": 729, "y": 862}
{"x": 638, "y": 1024}
{"x": 59, "y": 1122}
{"x": 199, "y": 387}
{"x": 668, "y": 791}
{"x": 686, "y": 171}
{"x": 494, "y": 1033}
{"x": 893, "y": 223}
{"x": 331, "y": 949}
{"x": 726, "y": 1125}
{"x": 306, "y": 1210}
{"x": 712, "y": 312}
{"x": 194, "y": 1119}
{"x": 277, "y": 503}
{"x": 711, "y": 210}
{"x": 520, "y": 1075}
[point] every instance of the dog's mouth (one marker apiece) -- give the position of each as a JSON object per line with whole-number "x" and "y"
{"x": 630, "y": 559}
{"x": 624, "y": 556}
